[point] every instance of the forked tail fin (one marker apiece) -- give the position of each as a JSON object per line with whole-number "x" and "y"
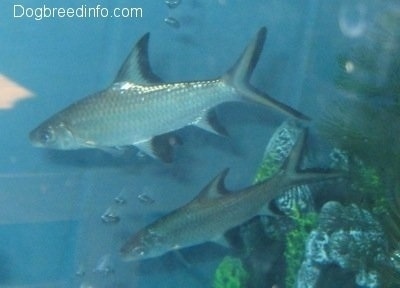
{"x": 239, "y": 76}
{"x": 294, "y": 177}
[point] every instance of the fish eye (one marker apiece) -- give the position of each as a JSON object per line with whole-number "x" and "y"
{"x": 139, "y": 251}
{"x": 46, "y": 136}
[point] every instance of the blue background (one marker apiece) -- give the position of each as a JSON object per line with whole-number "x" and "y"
{"x": 51, "y": 233}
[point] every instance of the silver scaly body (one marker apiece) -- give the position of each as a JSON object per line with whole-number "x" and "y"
{"x": 139, "y": 108}
{"x": 120, "y": 115}
{"x": 216, "y": 210}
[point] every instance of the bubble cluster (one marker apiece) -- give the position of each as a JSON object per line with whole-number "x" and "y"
{"x": 170, "y": 20}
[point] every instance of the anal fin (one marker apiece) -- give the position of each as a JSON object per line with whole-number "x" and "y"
{"x": 160, "y": 146}
{"x": 211, "y": 123}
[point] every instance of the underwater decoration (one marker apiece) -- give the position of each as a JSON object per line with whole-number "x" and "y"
{"x": 349, "y": 237}
{"x": 266, "y": 238}
{"x": 365, "y": 124}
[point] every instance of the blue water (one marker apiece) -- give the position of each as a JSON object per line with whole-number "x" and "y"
{"x": 51, "y": 233}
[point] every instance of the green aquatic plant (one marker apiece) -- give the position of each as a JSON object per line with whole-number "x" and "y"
{"x": 366, "y": 131}
{"x": 367, "y": 183}
{"x": 381, "y": 199}
{"x": 268, "y": 167}
{"x": 230, "y": 274}
{"x": 373, "y": 191}
{"x": 295, "y": 244}
{"x": 278, "y": 149}
{"x": 275, "y": 154}
{"x": 367, "y": 127}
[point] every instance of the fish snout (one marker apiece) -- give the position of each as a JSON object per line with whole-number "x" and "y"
{"x": 53, "y": 135}
{"x": 40, "y": 137}
{"x": 130, "y": 253}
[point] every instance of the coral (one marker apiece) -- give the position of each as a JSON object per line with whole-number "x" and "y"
{"x": 297, "y": 202}
{"x": 277, "y": 150}
{"x": 351, "y": 238}
{"x": 230, "y": 274}
{"x": 368, "y": 127}
{"x": 279, "y": 146}
{"x": 295, "y": 243}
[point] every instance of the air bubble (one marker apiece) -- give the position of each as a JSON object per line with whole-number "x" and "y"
{"x": 352, "y": 20}
{"x": 104, "y": 265}
{"x": 119, "y": 200}
{"x": 110, "y": 217}
{"x": 80, "y": 272}
{"x": 172, "y": 4}
{"x": 171, "y": 21}
{"x": 349, "y": 67}
{"x": 145, "y": 199}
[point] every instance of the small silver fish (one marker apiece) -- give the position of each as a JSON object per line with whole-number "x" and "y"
{"x": 139, "y": 109}
{"x": 216, "y": 210}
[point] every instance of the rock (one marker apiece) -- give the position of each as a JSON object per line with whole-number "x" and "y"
{"x": 349, "y": 237}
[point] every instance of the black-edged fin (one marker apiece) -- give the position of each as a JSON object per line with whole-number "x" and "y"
{"x": 253, "y": 94}
{"x": 211, "y": 123}
{"x": 239, "y": 75}
{"x": 244, "y": 66}
{"x": 136, "y": 68}
{"x": 214, "y": 189}
{"x": 294, "y": 177}
{"x": 160, "y": 147}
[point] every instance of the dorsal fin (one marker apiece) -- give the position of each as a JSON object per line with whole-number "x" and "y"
{"x": 244, "y": 66}
{"x": 136, "y": 68}
{"x": 214, "y": 189}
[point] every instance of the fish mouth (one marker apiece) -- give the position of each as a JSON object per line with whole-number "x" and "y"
{"x": 129, "y": 253}
{"x": 125, "y": 255}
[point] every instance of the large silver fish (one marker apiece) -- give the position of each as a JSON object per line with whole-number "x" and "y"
{"x": 138, "y": 108}
{"x": 216, "y": 210}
